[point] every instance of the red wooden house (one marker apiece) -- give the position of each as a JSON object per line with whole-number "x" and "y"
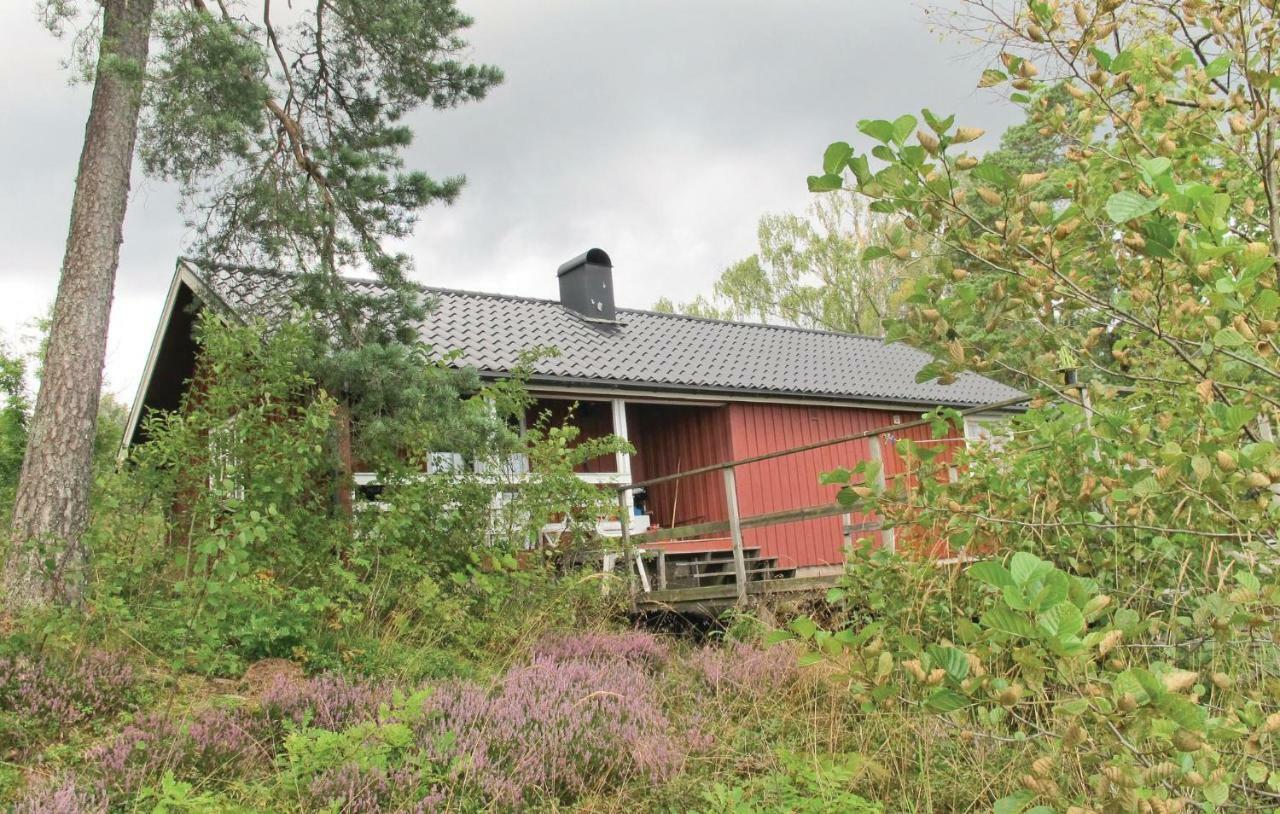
{"x": 686, "y": 391}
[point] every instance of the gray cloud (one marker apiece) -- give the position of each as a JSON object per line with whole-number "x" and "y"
{"x": 658, "y": 130}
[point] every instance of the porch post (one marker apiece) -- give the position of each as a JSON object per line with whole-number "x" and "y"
{"x": 887, "y": 536}
{"x": 628, "y": 556}
{"x": 735, "y": 531}
{"x": 622, "y": 460}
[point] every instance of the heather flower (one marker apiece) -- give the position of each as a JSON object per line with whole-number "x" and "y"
{"x": 353, "y": 789}
{"x": 139, "y": 752}
{"x": 328, "y": 701}
{"x": 48, "y": 692}
{"x": 213, "y": 741}
{"x": 746, "y": 669}
{"x": 62, "y": 796}
{"x": 230, "y": 741}
{"x": 641, "y": 648}
{"x": 557, "y": 728}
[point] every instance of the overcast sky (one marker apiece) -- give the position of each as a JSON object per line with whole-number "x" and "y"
{"x": 658, "y": 130}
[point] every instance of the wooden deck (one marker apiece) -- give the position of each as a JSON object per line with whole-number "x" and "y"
{"x": 754, "y": 576}
{"x": 711, "y": 599}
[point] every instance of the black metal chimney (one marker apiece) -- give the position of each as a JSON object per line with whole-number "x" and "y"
{"x": 586, "y": 285}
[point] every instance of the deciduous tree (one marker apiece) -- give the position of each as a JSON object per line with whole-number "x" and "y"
{"x": 809, "y": 271}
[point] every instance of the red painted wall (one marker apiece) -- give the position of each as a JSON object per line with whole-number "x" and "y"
{"x": 791, "y": 482}
{"x": 594, "y": 419}
{"x": 676, "y": 438}
{"x": 671, "y": 439}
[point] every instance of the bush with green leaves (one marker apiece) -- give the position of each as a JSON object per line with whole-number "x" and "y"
{"x": 801, "y": 785}
{"x": 1120, "y": 710}
{"x": 226, "y": 538}
{"x": 1131, "y": 285}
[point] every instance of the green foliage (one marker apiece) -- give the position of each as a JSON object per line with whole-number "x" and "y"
{"x": 14, "y": 413}
{"x": 803, "y": 785}
{"x": 811, "y": 271}
{"x": 242, "y": 469}
{"x": 227, "y": 539}
{"x": 1127, "y": 276}
{"x": 1143, "y": 707}
{"x": 286, "y": 135}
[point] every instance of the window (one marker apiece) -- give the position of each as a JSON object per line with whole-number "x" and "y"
{"x": 225, "y": 479}
{"x": 992, "y": 430}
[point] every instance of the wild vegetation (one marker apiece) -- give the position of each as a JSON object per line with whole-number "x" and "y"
{"x": 1111, "y": 645}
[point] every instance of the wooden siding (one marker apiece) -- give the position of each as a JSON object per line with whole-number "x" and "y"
{"x": 791, "y": 481}
{"x": 594, "y": 419}
{"x": 671, "y": 439}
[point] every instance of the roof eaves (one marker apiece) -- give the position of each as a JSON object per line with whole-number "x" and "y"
{"x": 739, "y": 392}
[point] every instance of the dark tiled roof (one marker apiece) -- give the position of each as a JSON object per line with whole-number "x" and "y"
{"x": 649, "y": 349}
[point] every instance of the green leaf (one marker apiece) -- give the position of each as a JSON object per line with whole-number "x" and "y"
{"x": 825, "y": 183}
{"x": 1201, "y": 466}
{"x": 1023, "y": 566}
{"x": 1014, "y": 803}
{"x": 875, "y": 253}
{"x": 1126, "y": 205}
{"x": 1217, "y": 793}
{"x": 951, "y": 660}
{"x": 1184, "y": 712}
{"x": 861, "y": 170}
{"x": 944, "y": 700}
{"x": 993, "y": 174}
{"x": 1063, "y": 620}
{"x": 1008, "y": 620}
{"x": 809, "y": 659}
{"x": 1228, "y": 338}
{"x": 878, "y": 129}
{"x": 804, "y": 627}
{"x": 903, "y": 127}
{"x": 992, "y": 573}
{"x": 939, "y": 126}
{"x": 837, "y": 157}
{"x": 1155, "y": 167}
{"x": 991, "y": 77}
{"x": 1218, "y": 67}
{"x": 775, "y": 636}
{"x": 836, "y": 477}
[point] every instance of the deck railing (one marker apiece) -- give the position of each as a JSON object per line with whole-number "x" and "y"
{"x": 736, "y": 524}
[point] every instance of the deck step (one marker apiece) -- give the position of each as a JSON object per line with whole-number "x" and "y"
{"x": 685, "y": 557}
{"x": 753, "y": 575}
{"x": 710, "y": 566}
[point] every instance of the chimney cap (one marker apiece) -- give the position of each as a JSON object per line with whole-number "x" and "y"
{"x": 596, "y": 257}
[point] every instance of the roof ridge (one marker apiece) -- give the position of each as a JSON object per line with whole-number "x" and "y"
{"x": 752, "y": 324}
{"x": 546, "y": 300}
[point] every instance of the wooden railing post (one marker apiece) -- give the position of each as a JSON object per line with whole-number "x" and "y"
{"x": 735, "y": 531}
{"x": 887, "y": 538}
{"x": 628, "y": 555}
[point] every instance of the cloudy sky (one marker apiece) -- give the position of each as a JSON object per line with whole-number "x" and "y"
{"x": 659, "y": 130}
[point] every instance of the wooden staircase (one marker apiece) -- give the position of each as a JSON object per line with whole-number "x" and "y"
{"x": 696, "y": 569}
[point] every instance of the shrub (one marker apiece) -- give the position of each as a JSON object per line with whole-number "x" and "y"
{"x": 328, "y": 701}
{"x": 355, "y": 789}
{"x": 744, "y": 668}
{"x": 556, "y": 729}
{"x": 46, "y": 693}
{"x": 62, "y": 795}
{"x": 213, "y": 742}
{"x": 643, "y": 649}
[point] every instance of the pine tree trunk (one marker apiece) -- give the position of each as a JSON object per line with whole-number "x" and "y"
{"x": 47, "y": 560}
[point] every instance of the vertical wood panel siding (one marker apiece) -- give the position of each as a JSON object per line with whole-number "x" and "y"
{"x": 791, "y": 482}
{"x": 594, "y": 419}
{"x": 671, "y": 439}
